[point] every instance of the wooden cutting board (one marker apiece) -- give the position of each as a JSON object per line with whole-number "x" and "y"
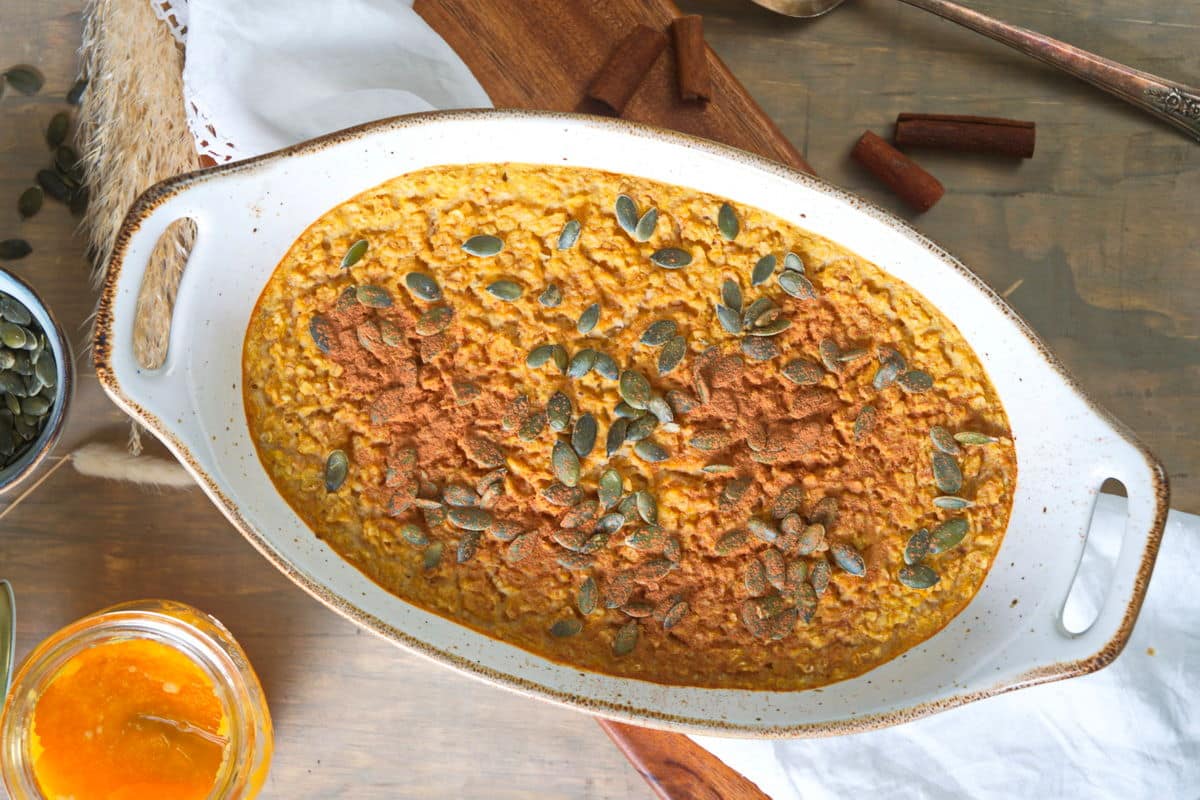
{"x": 542, "y": 54}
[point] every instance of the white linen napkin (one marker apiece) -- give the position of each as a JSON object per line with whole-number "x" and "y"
{"x": 270, "y": 73}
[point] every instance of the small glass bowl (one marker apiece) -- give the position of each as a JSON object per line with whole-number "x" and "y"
{"x": 198, "y": 636}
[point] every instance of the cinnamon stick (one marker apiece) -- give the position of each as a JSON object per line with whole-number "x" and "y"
{"x": 691, "y": 57}
{"x": 626, "y": 66}
{"x": 1005, "y": 137}
{"x": 914, "y": 185}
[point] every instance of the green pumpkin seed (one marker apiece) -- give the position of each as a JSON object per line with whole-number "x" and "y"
{"x": 730, "y": 319}
{"x": 14, "y": 249}
{"x": 864, "y": 423}
{"x": 727, "y": 222}
{"x": 539, "y": 355}
{"x": 917, "y": 547}
{"x": 731, "y": 540}
{"x": 337, "y": 467}
{"x": 565, "y": 628}
{"x": 565, "y": 463}
{"x": 355, "y": 253}
{"x": 647, "y": 507}
{"x": 886, "y": 375}
{"x": 649, "y": 451}
{"x": 432, "y": 555}
{"x": 797, "y": 285}
{"x": 818, "y": 576}
{"x": 558, "y": 411}
{"x": 46, "y": 371}
{"x": 597, "y": 541}
{"x": 649, "y": 538}
{"x": 797, "y": 576}
{"x": 915, "y": 381}
{"x": 517, "y": 410}
{"x": 56, "y": 131}
{"x": 583, "y": 436}
{"x": 854, "y": 354}
{"x": 764, "y": 268}
{"x": 811, "y": 539}
{"x": 760, "y": 348}
{"x": 569, "y": 235}
{"x": 483, "y": 245}
{"x": 75, "y": 94}
{"x": 616, "y": 436}
{"x": 581, "y": 513}
{"x": 671, "y": 258}
{"x": 588, "y": 319}
{"x": 671, "y": 354}
{"x": 661, "y": 409}
{"x": 763, "y": 530}
{"x": 848, "y": 558}
{"x": 30, "y": 201}
{"x": 587, "y": 596}
{"x": 457, "y": 494}
{"x": 373, "y": 296}
{"x": 470, "y": 519}
{"x": 626, "y": 211}
{"x": 943, "y": 441}
{"x": 581, "y": 363}
{"x": 946, "y": 474}
{"x": 947, "y": 535}
{"x": 34, "y": 406}
{"x": 559, "y": 495}
{"x": 521, "y": 548}
{"x": 733, "y": 492}
{"x": 952, "y": 503}
{"x": 551, "y": 297}
{"x": 659, "y": 333}
{"x": 467, "y": 546}
{"x": 755, "y": 578}
{"x": 634, "y": 388}
{"x": 533, "y": 426}
{"x": 626, "y": 639}
{"x": 414, "y": 535}
{"x": 802, "y": 372}
{"x": 626, "y": 411}
{"x": 712, "y": 440}
{"x": 674, "y": 615}
{"x": 495, "y": 477}
{"x": 829, "y": 352}
{"x": 640, "y": 428}
{"x": 606, "y": 367}
{"x": 787, "y": 501}
{"x": 484, "y": 452}
{"x": 774, "y": 567}
{"x": 423, "y": 286}
{"x": 55, "y": 186}
{"x": 320, "y": 328}
{"x": 506, "y": 290}
{"x": 773, "y": 328}
{"x": 505, "y": 530}
{"x": 761, "y": 310}
{"x": 610, "y": 488}
{"x": 973, "y": 438}
{"x": 917, "y": 576}
{"x": 435, "y": 320}
{"x": 792, "y": 262}
{"x": 731, "y": 295}
{"x": 681, "y": 402}
{"x": 644, "y": 230}
{"x": 25, "y": 78}
{"x": 13, "y": 311}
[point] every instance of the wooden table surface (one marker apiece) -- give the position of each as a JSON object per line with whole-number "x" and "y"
{"x": 1097, "y": 233}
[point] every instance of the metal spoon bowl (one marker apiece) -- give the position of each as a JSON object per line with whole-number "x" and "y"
{"x": 1175, "y": 104}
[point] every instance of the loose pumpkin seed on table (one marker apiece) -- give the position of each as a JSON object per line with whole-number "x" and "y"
{"x": 616, "y": 457}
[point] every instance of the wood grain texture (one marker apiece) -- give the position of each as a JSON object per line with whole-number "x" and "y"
{"x": 543, "y": 54}
{"x": 1099, "y": 227}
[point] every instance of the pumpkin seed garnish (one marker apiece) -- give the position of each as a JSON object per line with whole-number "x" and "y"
{"x": 917, "y": 576}
{"x": 596, "y": 542}
{"x": 484, "y": 452}
{"x": 320, "y": 328}
{"x": 917, "y": 547}
{"x": 825, "y": 512}
{"x": 626, "y": 639}
{"x": 671, "y": 354}
{"x": 55, "y": 186}
{"x": 733, "y": 492}
{"x": 583, "y": 436}
{"x": 829, "y": 352}
{"x": 373, "y": 296}
{"x": 414, "y": 535}
{"x": 651, "y": 537}
{"x": 432, "y": 556}
{"x": 854, "y": 354}
{"x": 30, "y": 201}
{"x": 886, "y": 375}
{"x": 565, "y": 628}
{"x": 818, "y": 576}
{"x": 588, "y": 319}
{"x": 483, "y": 245}
{"x": 644, "y": 229}
{"x": 659, "y": 333}
{"x": 673, "y": 616}
{"x": 467, "y": 546}
{"x": 521, "y": 547}
{"x": 797, "y": 285}
{"x": 864, "y": 423}
{"x": 516, "y": 412}
{"x": 787, "y": 501}
{"x": 760, "y": 348}
{"x": 640, "y": 428}
{"x": 730, "y": 319}
{"x": 711, "y": 440}
{"x": 457, "y": 494}
{"x": 812, "y": 538}
{"x": 56, "y": 131}
{"x": 587, "y": 596}
{"x": 915, "y": 381}
{"x": 647, "y": 507}
{"x": 802, "y": 372}
{"x": 763, "y": 530}
{"x": 764, "y": 268}
{"x": 792, "y": 262}
{"x": 506, "y": 290}
{"x": 539, "y": 355}
{"x": 559, "y": 495}
{"x": 505, "y": 530}
{"x": 533, "y": 426}
{"x": 355, "y": 253}
{"x": 569, "y": 235}
{"x": 25, "y": 78}
{"x": 626, "y": 211}
{"x": 727, "y": 222}
{"x": 953, "y": 503}
{"x": 610, "y": 488}
{"x": 773, "y": 328}
{"x": 764, "y": 309}
{"x": 775, "y": 567}
{"x": 337, "y": 467}
{"x": 946, "y": 474}
{"x": 468, "y": 518}
{"x": 551, "y": 297}
{"x": 943, "y": 441}
{"x": 75, "y": 93}
{"x": 435, "y": 320}
{"x": 616, "y": 436}
{"x": 947, "y": 535}
{"x": 558, "y": 411}
{"x": 650, "y": 451}
{"x": 731, "y": 540}
{"x": 626, "y": 411}
{"x": 580, "y": 513}
{"x": 423, "y": 286}
{"x": 581, "y": 363}
{"x": 971, "y": 437}
{"x": 731, "y": 295}
{"x": 755, "y": 578}
{"x": 671, "y": 258}
{"x": 634, "y": 388}
{"x": 13, "y": 249}
{"x": 565, "y": 463}
{"x": 848, "y": 558}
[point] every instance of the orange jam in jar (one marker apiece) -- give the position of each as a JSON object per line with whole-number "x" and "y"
{"x": 144, "y": 701}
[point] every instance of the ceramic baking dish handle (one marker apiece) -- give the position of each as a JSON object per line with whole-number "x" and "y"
{"x": 1120, "y": 457}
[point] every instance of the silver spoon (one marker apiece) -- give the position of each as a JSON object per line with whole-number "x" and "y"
{"x": 1173, "y": 103}
{"x": 8, "y": 637}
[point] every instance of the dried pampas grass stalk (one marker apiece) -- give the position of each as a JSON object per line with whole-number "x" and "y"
{"x": 114, "y": 463}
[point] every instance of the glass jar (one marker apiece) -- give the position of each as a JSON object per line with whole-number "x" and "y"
{"x": 201, "y": 639}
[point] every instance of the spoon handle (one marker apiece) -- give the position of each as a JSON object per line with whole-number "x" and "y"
{"x": 1173, "y": 103}
{"x": 8, "y": 626}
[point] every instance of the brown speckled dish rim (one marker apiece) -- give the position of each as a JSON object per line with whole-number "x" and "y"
{"x": 157, "y": 194}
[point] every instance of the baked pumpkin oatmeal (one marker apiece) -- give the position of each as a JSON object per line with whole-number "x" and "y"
{"x": 628, "y": 426}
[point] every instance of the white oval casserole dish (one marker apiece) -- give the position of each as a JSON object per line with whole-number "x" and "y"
{"x": 248, "y": 214}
